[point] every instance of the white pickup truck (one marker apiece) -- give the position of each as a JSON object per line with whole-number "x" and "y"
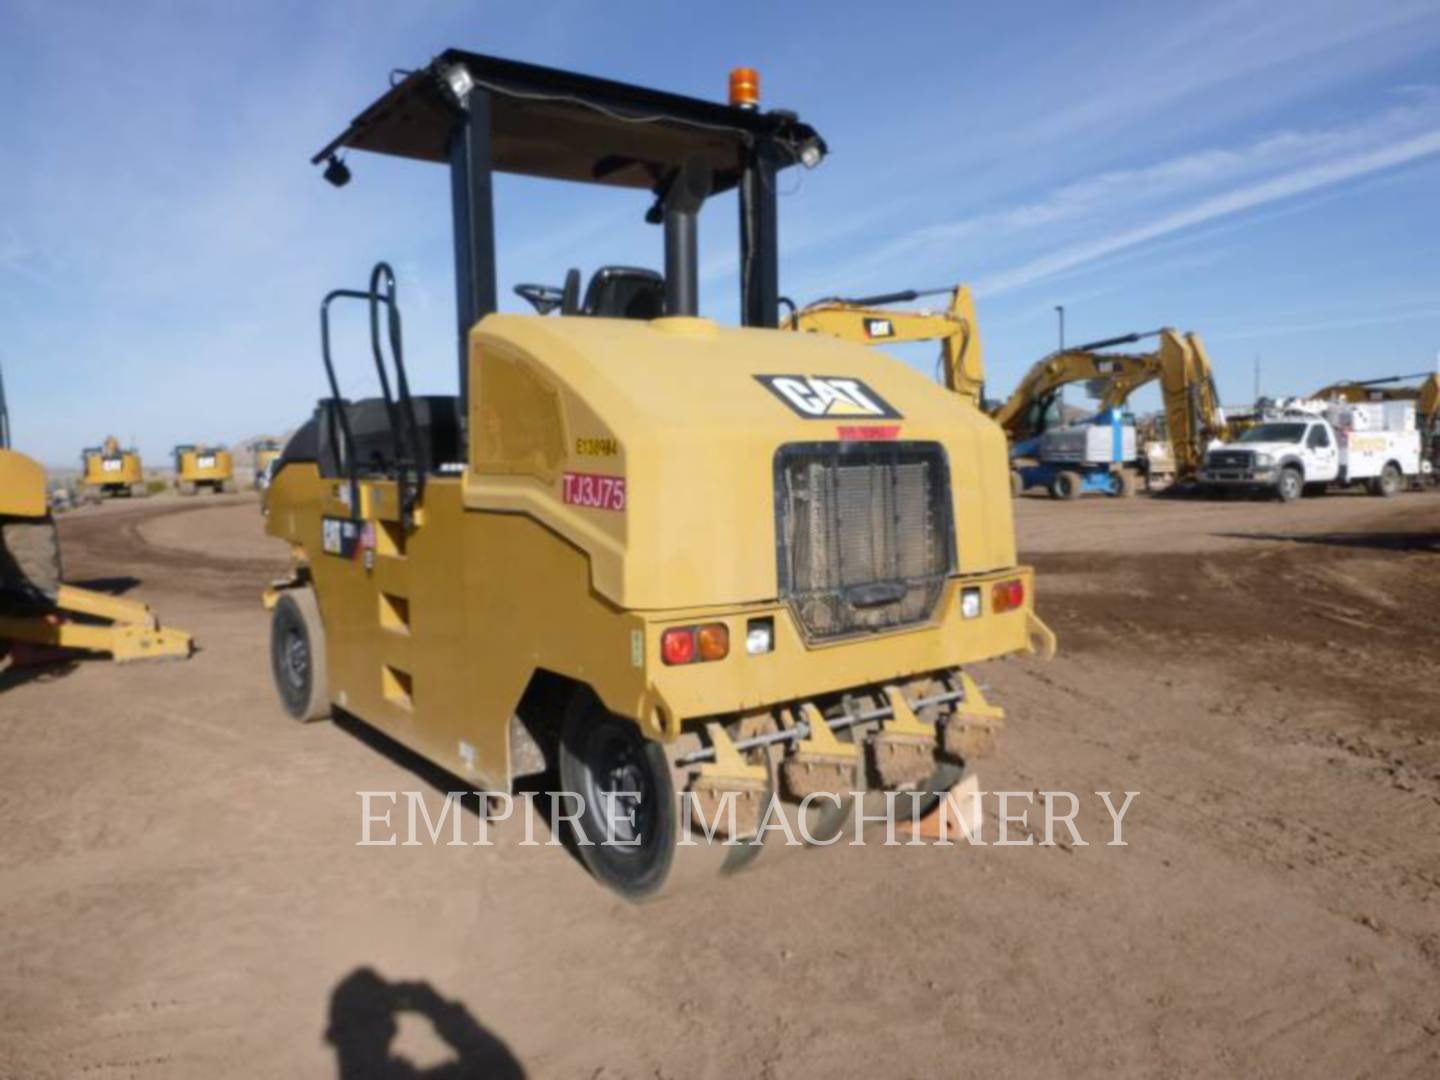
{"x": 1320, "y": 445}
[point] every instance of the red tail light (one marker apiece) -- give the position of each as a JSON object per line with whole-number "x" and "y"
{"x": 1007, "y": 596}
{"x": 677, "y": 645}
{"x": 695, "y": 644}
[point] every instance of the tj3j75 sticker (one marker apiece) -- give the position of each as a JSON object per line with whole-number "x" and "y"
{"x": 821, "y": 397}
{"x": 594, "y": 490}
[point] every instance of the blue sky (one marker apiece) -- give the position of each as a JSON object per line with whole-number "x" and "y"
{"x": 1264, "y": 173}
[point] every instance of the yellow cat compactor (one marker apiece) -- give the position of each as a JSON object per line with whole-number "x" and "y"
{"x": 202, "y": 466}
{"x": 107, "y": 470}
{"x": 36, "y": 607}
{"x": 680, "y": 567}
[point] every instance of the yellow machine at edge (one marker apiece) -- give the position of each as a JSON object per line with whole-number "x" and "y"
{"x": 653, "y": 555}
{"x": 36, "y": 607}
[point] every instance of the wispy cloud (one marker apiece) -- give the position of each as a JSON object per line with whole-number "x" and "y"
{"x": 1287, "y": 185}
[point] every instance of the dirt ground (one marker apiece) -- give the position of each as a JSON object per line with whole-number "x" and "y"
{"x": 183, "y": 895}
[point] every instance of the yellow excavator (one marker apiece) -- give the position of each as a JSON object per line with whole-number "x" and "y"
{"x": 1193, "y": 415}
{"x": 36, "y": 607}
{"x": 868, "y": 321}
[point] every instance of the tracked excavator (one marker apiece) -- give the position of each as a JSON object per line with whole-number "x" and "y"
{"x": 36, "y": 607}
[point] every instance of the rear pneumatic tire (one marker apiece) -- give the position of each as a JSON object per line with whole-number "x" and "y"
{"x": 30, "y": 556}
{"x": 602, "y": 758}
{"x": 1066, "y": 485}
{"x": 297, "y": 656}
{"x": 1291, "y": 484}
{"x": 1388, "y": 483}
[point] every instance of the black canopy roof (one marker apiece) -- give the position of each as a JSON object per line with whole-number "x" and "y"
{"x": 565, "y": 126}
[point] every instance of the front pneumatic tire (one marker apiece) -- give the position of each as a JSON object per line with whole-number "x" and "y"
{"x": 297, "y": 656}
{"x": 1291, "y": 484}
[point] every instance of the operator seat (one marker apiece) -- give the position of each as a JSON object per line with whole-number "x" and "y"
{"x": 625, "y": 292}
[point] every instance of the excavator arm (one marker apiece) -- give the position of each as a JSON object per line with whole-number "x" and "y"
{"x": 868, "y": 321}
{"x": 1122, "y": 374}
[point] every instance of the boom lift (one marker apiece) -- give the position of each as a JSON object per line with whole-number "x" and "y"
{"x": 36, "y": 607}
{"x": 656, "y": 555}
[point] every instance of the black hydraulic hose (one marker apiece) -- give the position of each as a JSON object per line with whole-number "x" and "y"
{"x": 1124, "y": 339}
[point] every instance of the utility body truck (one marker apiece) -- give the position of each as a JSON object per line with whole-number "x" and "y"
{"x": 1309, "y": 444}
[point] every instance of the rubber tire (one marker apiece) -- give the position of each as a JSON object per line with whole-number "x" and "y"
{"x": 589, "y": 741}
{"x": 1290, "y": 485}
{"x": 1067, "y": 485}
{"x": 296, "y": 623}
{"x": 30, "y": 555}
{"x": 1388, "y": 484}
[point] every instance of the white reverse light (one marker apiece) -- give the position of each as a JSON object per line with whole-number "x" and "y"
{"x": 759, "y": 636}
{"x": 970, "y": 603}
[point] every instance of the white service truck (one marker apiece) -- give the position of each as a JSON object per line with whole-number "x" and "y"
{"x": 1319, "y": 445}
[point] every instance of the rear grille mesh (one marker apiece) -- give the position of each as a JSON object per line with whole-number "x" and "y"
{"x": 864, "y": 535}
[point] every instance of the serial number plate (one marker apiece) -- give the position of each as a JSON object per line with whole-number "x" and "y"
{"x": 595, "y": 491}
{"x": 589, "y": 447}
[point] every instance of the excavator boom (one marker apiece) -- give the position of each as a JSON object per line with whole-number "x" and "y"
{"x": 867, "y": 321}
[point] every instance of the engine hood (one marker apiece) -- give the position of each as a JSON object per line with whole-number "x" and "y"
{"x": 651, "y": 445}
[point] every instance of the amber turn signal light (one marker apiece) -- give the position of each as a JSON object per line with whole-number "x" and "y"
{"x": 1007, "y": 596}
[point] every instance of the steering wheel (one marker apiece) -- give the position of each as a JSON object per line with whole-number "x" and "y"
{"x": 543, "y": 298}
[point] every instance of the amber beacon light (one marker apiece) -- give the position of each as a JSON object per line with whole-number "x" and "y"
{"x": 745, "y": 87}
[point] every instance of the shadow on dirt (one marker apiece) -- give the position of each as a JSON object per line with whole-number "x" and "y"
{"x": 365, "y": 1009}
{"x": 25, "y": 668}
{"x": 110, "y": 586}
{"x": 1374, "y": 541}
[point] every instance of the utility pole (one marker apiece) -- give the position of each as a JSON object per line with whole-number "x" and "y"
{"x": 1257, "y": 376}
{"x": 1060, "y": 311}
